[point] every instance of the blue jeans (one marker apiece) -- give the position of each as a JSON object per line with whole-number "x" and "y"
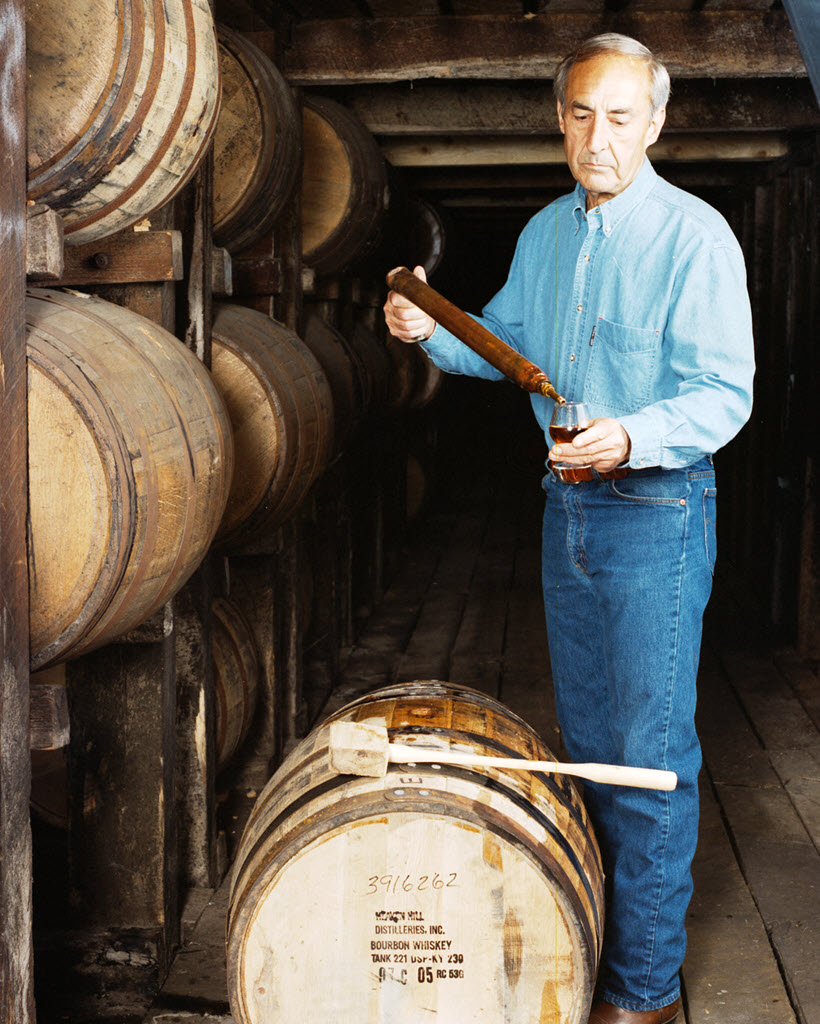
{"x": 627, "y": 572}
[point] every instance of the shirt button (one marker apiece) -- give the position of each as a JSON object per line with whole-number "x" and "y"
{"x": 586, "y": 259}
{"x": 579, "y": 308}
{"x": 572, "y": 358}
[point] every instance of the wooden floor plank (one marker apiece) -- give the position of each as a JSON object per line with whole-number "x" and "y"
{"x": 197, "y": 983}
{"x": 799, "y": 771}
{"x": 730, "y": 746}
{"x": 804, "y": 681}
{"x": 730, "y": 975}
{"x": 478, "y": 652}
{"x": 782, "y": 869}
{"x": 526, "y": 685}
{"x": 428, "y": 652}
{"x": 774, "y": 710}
{"x": 480, "y": 673}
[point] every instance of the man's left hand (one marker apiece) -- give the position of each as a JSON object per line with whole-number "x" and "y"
{"x": 603, "y": 445}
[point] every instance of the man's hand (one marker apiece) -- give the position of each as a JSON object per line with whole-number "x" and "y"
{"x": 603, "y": 445}
{"x": 406, "y": 321}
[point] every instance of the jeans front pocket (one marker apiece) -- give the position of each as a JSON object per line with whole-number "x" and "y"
{"x": 657, "y": 487}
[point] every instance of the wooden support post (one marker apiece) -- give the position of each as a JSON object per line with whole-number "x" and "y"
{"x": 122, "y": 854}
{"x": 196, "y": 728}
{"x": 293, "y": 706}
{"x": 200, "y": 864}
{"x": 16, "y": 988}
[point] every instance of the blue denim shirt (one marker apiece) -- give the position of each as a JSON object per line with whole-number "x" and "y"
{"x": 639, "y": 308}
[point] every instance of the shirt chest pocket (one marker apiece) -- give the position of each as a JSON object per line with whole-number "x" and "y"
{"x": 623, "y": 367}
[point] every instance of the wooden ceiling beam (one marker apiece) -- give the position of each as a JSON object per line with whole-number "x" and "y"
{"x": 516, "y": 108}
{"x": 702, "y": 44}
{"x": 478, "y": 184}
{"x": 465, "y": 151}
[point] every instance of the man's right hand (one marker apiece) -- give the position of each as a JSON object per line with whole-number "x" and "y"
{"x": 406, "y": 321}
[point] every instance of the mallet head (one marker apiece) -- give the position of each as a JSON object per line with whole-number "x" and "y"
{"x": 359, "y": 748}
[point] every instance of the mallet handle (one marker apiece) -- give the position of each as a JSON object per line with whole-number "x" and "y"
{"x": 613, "y": 774}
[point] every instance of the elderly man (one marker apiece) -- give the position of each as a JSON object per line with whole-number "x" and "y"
{"x": 631, "y": 295}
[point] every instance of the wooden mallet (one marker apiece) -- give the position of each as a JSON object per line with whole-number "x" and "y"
{"x": 361, "y": 748}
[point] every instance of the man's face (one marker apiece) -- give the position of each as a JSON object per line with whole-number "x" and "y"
{"x": 606, "y": 123}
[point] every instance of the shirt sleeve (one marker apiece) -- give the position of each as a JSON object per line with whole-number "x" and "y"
{"x": 502, "y": 316}
{"x": 710, "y": 351}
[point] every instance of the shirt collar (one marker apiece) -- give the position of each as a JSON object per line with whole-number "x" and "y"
{"x": 615, "y": 209}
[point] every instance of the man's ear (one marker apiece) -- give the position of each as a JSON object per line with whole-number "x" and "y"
{"x": 560, "y": 116}
{"x": 655, "y": 125}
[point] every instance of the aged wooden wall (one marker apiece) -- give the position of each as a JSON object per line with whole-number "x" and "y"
{"x": 16, "y": 992}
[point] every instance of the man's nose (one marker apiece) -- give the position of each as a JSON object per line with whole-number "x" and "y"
{"x": 598, "y": 137}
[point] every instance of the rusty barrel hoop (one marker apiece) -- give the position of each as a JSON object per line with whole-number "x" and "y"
{"x": 476, "y": 894}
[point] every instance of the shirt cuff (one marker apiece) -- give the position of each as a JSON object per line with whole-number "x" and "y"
{"x": 645, "y": 450}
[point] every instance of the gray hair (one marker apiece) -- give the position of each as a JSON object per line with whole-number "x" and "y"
{"x": 614, "y": 42}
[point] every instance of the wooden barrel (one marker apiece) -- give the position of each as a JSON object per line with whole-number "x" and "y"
{"x": 425, "y": 237}
{"x": 417, "y": 477}
{"x": 414, "y": 379}
{"x": 375, "y": 365}
{"x": 473, "y": 894}
{"x": 257, "y": 145}
{"x": 344, "y": 187}
{"x": 281, "y": 408}
{"x": 402, "y": 380}
{"x": 336, "y": 359}
{"x": 49, "y": 766}
{"x": 123, "y": 98}
{"x": 428, "y": 379}
{"x": 236, "y": 677}
{"x": 130, "y": 461}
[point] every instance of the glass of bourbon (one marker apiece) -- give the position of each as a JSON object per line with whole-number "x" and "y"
{"x": 567, "y": 421}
